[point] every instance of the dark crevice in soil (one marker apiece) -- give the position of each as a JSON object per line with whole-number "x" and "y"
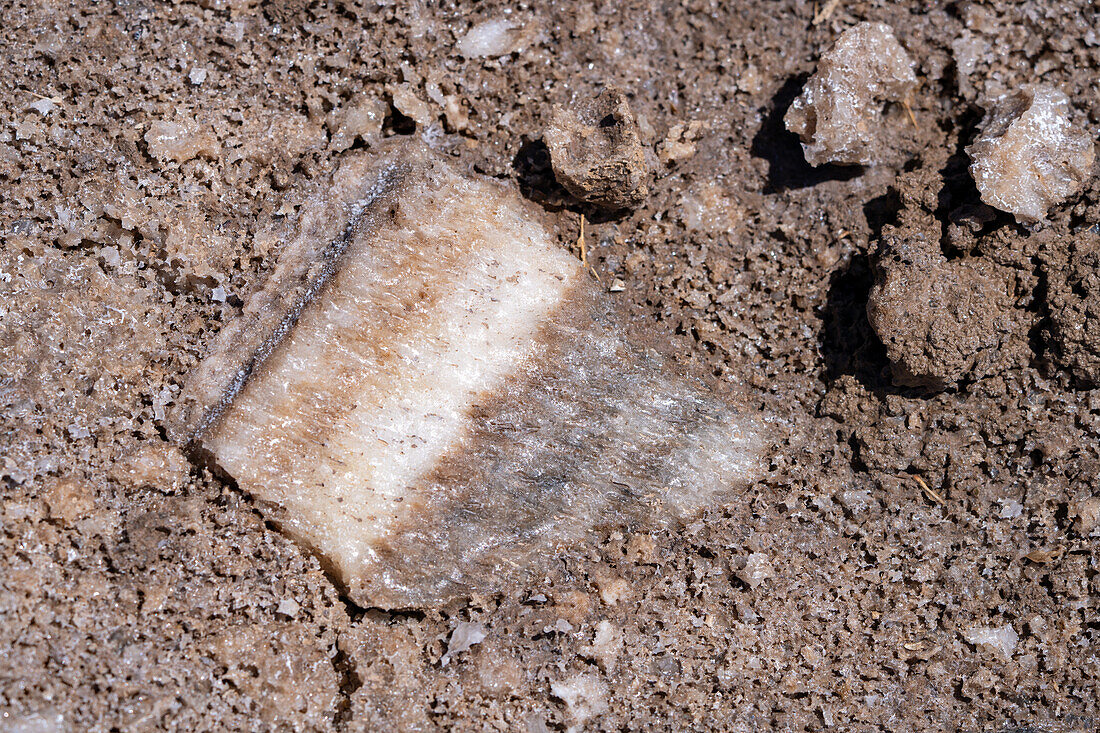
{"x": 350, "y": 683}
{"x": 847, "y": 342}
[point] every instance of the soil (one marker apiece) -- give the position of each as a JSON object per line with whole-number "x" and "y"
{"x": 149, "y": 161}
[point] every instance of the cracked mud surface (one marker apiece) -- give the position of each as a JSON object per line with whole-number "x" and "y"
{"x": 149, "y": 158}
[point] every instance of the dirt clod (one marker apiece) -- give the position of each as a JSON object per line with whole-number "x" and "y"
{"x": 596, "y": 153}
{"x": 940, "y": 320}
{"x": 1073, "y": 297}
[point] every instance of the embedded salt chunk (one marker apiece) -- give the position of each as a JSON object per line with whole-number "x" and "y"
{"x": 180, "y": 142}
{"x": 839, "y": 115}
{"x": 1029, "y": 156}
{"x": 434, "y": 397}
{"x": 1000, "y": 640}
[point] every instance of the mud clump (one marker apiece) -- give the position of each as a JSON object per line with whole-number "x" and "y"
{"x": 941, "y": 321}
{"x": 1029, "y": 156}
{"x": 596, "y": 152}
{"x": 1073, "y": 297}
{"x": 839, "y": 114}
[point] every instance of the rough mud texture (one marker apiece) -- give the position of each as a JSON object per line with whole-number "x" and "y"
{"x": 1073, "y": 299}
{"x": 840, "y": 110}
{"x": 941, "y": 321}
{"x": 595, "y": 151}
{"x": 837, "y": 592}
{"x": 1029, "y": 154}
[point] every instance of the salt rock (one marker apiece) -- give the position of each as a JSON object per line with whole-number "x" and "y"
{"x": 596, "y": 152}
{"x": 180, "y": 142}
{"x": 585, "y": 697}
{"x": 839, "y": 115}
{"x": 493, "y": 38}
{"x": 998, "y": 640}
{"x": 431, "y": 394}
{"x": 361, "y": 120}
{"x": 1029, "y": 156}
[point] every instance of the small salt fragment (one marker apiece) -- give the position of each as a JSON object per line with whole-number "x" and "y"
{"x": 465, "y": 635}
{"x": 1010, "y": 509}
{"x": 560, "y": 626}
{"x": 43, "y": 106}
{"x": 217, "y": 294}
{"x": 757, "y": 569}
{"x": 584, "y": 695}
{"x": 839, "y": 115}
{"x": 159, "y": 465}
{"x": 1086, "y": 514}
{"x": 412, "y": 106}
{"x": 360, "y": 120}
{"x": 69, "y": 498}
{"x": 617, "y": 286}
{"x": 1029, "y": 156}
{"x": 605, "y": 645}
{"x": 490, "y": 38}
{"x": 180, "y": 142}
{"x": 288, "y": 607}
{"x": 197, "y": 75}
{"x": 76, "y": 432}
{"x": 999, "y": 640}
{"x": 679, "y": 143}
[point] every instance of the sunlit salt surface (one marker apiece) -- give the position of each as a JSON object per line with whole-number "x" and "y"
{"x": 433, "y": 396}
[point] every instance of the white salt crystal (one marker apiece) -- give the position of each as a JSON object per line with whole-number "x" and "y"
{"x": 288, "y": 607}
{"x": 464, "y": 636}
{"x": 1029, "y": 156}
{"x": 1000, "y": 640}
{"x": 584, "y": 695}
{"x": 197, "y": 76}
{"x": 758, "y": 568}
{"x": 43, "y": 106}
{"x": 489, "y": 38}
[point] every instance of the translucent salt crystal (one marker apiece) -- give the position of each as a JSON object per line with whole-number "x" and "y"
{"x": 434, "y": 396}
{"x": 1029, "y": 156}
{"x": 489, "y": 38}
{"x": 180, "y": 142}
{"x": 465, "y": 635}
{"x": 43, "y": 106}
{"x": 584, "y": 695}
{"x": 839, "y": 116}
{"x": 758, "y": 568}
{"x": 999, "y": 640}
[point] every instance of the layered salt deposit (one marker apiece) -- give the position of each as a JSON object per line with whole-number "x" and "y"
{"x": 431, "y": 395}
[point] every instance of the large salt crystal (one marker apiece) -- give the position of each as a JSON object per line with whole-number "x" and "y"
{"x": 434, "y": 397}
{"x": 1029, "y": 156}
{"x": 839, "y": 115}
